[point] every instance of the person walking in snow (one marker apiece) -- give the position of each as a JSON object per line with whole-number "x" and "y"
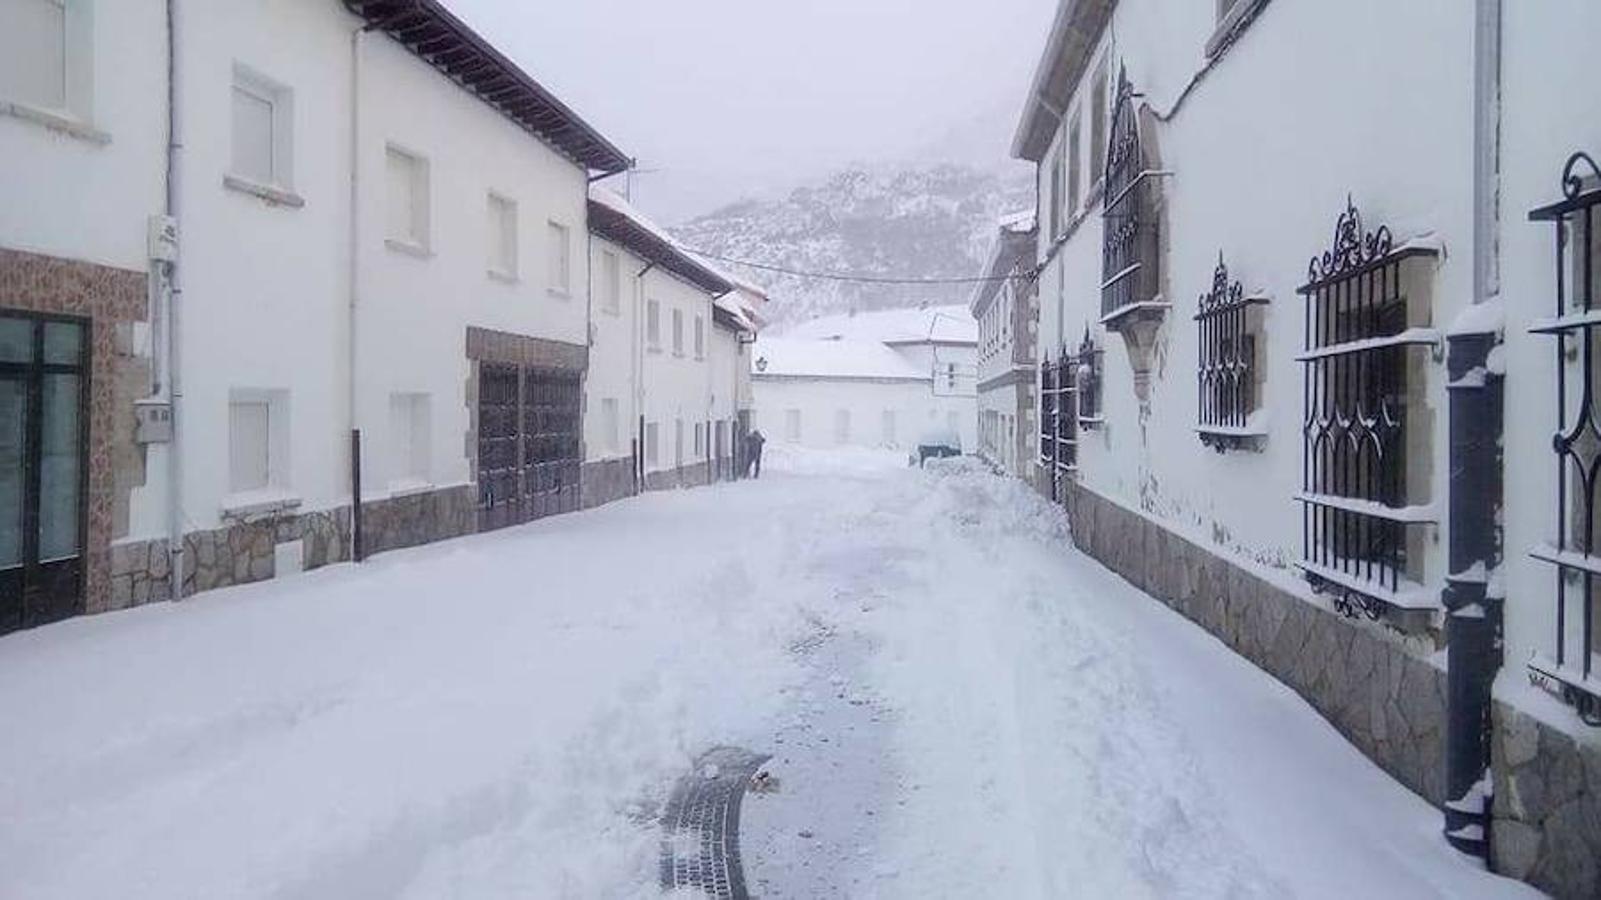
{"x": 753, "y": 453}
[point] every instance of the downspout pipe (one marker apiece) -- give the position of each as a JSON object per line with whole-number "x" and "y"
{"x": 638, "y": 385}
{"x": 353, "y": 307}
{"x": 1475, "y": 388}
{"x": 174, "y": 209}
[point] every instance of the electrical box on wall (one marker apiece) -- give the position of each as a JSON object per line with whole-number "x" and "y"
{"x": 163, "y": 238}
{"x": 152, "y": 421}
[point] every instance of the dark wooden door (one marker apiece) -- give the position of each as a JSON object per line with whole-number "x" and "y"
{"x": 529, "y": 449}
{"x": 43, "y": 439}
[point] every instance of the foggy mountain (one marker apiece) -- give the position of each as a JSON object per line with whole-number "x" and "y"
{"x": 927, "y": 221}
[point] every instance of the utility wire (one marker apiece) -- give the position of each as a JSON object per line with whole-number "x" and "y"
{"x": 862, "y": 279}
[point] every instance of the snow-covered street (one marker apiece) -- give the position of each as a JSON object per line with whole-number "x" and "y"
{"x": 956, "y": 702}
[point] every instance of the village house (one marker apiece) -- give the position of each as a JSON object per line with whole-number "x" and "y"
{"x": 1281, "y": 289}
{"x": 1003, "y": 306}
{"x": 352, "y": 304}
{"x": 889, "y": 379}
{"x": 668, "y": 396}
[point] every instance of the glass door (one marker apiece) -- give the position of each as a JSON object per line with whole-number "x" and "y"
{"x": 43, "y": 388}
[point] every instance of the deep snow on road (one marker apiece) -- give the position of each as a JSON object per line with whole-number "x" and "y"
{"x": 957, "y": 703}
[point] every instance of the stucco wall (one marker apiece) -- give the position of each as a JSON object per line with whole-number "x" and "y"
{"x": 915, "y": 406}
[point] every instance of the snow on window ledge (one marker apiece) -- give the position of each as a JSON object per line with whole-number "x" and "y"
{"x": 1232, "y": 25}
{"x": 55, "y": 120}
{"x": 275, "y": 196}
{"x": 248, "y": 506}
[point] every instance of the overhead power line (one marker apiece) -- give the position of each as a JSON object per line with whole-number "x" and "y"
{"x": 860, "y": 279}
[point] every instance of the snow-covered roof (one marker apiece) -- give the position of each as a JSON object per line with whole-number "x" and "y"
{"x": 807, "y": 357}
{"x": 1019, "y": 222}
{"x": 615, "y": 219}
{"x": 1012, "y": 247}
{"x": 952, "y": 324}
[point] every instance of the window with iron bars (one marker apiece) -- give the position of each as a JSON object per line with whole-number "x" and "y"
{"x": 1360, "y": 539}
{"x": 1087, "y": 378}
{"x": 1129, "y": 243}
{"x": 1228, "y": 391}
{"x": 1570, "y": 669}
{"x": 1058, "y": 420}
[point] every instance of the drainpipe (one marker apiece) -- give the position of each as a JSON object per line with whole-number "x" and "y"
{"x": 174, "y": 372}
{"x": 1473, "y": 609}
{"x": 637, "y": 386}
{"x": 353, "y": 308}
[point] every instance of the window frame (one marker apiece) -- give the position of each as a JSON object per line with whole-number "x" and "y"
{"x": 559, "y": 280}
{"x": 504, "y": 220}
{"x": 418, "y": 241}
{"x": 653, "y": 325}
{"x": 611, "y": 277}
{"x": 276, "y": 491}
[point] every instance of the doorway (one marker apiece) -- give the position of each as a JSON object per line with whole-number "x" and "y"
{"x": 44, "y": 385}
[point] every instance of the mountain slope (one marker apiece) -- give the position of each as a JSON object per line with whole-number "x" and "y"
{"x": 924, "y": 222}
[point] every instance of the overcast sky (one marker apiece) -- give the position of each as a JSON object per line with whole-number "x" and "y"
{"x": 729, "y": 98}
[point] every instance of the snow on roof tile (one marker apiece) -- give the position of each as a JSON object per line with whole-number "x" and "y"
{"x": 831, "y": 359}
{"x": 945, "y": 324}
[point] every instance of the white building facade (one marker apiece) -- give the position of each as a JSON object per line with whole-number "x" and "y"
{"x": 887, "y": 380}
{"x": 666, "y": 395}
{"x": 1285, "y": 450}
{"x": 1003, "y": 306}
{"x": 371, "y": 239}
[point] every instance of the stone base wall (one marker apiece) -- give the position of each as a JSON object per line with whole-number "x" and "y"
{"x": 1547, "y": 825}
{"x": 237, "y": 553}
{"x": 606, "y": 480}
{"x": 246, "y": 551}
{"x": 419, "y": 518}
{"x": 692, "y": 475}
{"x": 1386, "y": 700}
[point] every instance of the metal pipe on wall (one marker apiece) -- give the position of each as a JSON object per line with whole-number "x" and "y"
{"x": 174, "y": 374}
{"x": 1473, "y": 613}
{"x": 353, "y": 307}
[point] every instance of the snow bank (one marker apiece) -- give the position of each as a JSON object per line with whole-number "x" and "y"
{"x": 502, "y": 715}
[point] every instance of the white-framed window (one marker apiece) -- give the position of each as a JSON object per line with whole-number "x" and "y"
{"x": 611, "y": 283}
{"x": 46, "y": 55}
{"x": 887, "y": 431}
{"x": 1097, "y": 104}
{"x": 410, "y": 436}
{"x": 258, "y": 440}
{"x": 1056, "y": 194}
{"x": 610, "y": 425}
{"x": 406, "y": 184}
{"x": 792, "y": 425}
{"x": 263, "y": 129}
{"x": 842, "y": 426}
{"x": 652, "y": 443}
{"x": 700, "y": 440}
{"x": 502, "y": 246}
{"x": 653, "y": 324}
{"x": 678, "y": 443}
{"x": 700, "y": 336}
{"x": 678, "y": 332}
{"x": 1074, "y": 162}
{"x": 561, "y": 258}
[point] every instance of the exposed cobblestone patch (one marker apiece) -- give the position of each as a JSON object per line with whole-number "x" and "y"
{"x": 700, "y": 827}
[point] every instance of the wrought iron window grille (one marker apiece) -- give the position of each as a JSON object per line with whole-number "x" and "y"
{"x": 1570, "y": 671}
{"x": 1357, "y": 517}
{"x": 1058, "y": 421}
{"x": 1087, "y": 378}
{"x": 1130, "y": 265}
{"x": 1226, "y": 374}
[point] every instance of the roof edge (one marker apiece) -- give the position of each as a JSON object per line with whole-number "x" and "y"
{"x": 491, "y": 77}
{"x": 1061, "y": 65}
